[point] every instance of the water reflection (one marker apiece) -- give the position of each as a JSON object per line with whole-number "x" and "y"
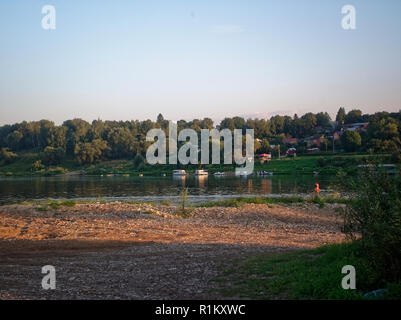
{"x": 200, "y": 188}
{"x": 201, "y": 180}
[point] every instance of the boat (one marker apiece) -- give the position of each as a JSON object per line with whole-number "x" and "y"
{"x": 179, "y": 173}
{"x": 264, "y": 173}
{"x": 242, "y": 173}
{"x": 219, "y": 173}
{"x": 201, "y": 172}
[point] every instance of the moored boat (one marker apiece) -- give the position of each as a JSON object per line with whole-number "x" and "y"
{"x": 201, "y": 172}
{"x": 179, "y": 172}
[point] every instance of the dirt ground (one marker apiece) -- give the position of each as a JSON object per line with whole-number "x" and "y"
{"x": 140, "y": 251}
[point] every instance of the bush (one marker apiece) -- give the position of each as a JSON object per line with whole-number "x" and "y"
{"x": 56, "y": 171}
{"x": 396, "y": 157}
{"x": 139, "y": 162}
{"x": 351, "y": 140}
{"x": 37, "y": 165}
{"x": 182, "y": 210}
{"x": 53, "y": 156}
{"x": 140, "y": 167}
{"x": 375, "y": 215}
{"x": 7, "y": 156}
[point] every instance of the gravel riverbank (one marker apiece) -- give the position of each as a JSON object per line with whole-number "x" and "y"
{"x": 141, "y": 251}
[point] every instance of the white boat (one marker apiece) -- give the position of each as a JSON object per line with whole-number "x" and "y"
{"x": 219, "y": 173}
{"x": 264, "y": 173}
{"x": 179, "y": 173}
{"x": 201, "y": 172}
{"x": 242, "y": 173}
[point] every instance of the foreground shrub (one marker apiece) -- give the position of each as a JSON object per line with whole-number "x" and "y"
{"x": 375, "y": 215}
{"x": 183, "y": 210}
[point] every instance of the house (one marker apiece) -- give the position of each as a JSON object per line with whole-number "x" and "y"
{"x": 336, "y": 135}
{"x": 290, "y": 140}
{"x": 359, "y": 126}
{"x": 315, "y": 140}
{"x": 264, "y": 157}
{"x": 291, "y": 152}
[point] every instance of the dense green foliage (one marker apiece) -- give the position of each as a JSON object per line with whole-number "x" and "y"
{"x": 375, "y": 215}
{"x": 237, "y": 202}
{"x": 87, "y": 143}
{"x": 305, "y": 274}
{"x": 53, "y": 156}
{"x": 351, "y": 140}
{"x": 7, "y": 156}
{"x": 372, "y": 219}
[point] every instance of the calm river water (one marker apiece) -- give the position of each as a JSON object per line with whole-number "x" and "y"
{"x": 155, "y": 189}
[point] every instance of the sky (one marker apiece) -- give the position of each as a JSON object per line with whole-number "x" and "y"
{"x": 124, "y": 60}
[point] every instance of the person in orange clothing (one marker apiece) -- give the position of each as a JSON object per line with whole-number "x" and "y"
{"x": 317, "y": 189}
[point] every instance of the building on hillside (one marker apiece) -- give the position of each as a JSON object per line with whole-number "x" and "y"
{"x": 315, "y": 140}
{"x": 290, "y": 140}
{"x": 337, "y": 135}
{"x": 359, "y": 126}
{"x": 264, "y": 157}
{"x": 291, "y": 152}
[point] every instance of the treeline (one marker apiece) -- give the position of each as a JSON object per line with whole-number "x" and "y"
{"x": 89, "y": 142}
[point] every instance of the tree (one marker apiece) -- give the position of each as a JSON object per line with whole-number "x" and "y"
{"x": 351, "y": 140}
{"x": 207, "y": 123}
{"x": 77, "y": 130}
{"x": 7, "y": 156}
{"x": 121, "y": 143}
{"x": 53, "y": 156}
{"x": 383, "y": 135}
{"x": 308, "y": 124}
{"x": 353, "y": 116}
{"x": 13, "y": 139}
{"x": 227, "y": 123}
{"x": 323, "y": 119}
{"x": 340, "y": 116}
{"x": 45, "y": 134}
{"x": 160, "y": 118}
{"x": 90, "y": 152}
{"x": 57, "y": 137}
{"x": 239, "y": 123}
{"x": 277, "y": 124}
{"x": 139, "y": 161}
{"x": 264, "y": 146}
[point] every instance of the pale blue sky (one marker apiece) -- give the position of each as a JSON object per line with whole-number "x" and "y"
{"x": 193, "y": 59}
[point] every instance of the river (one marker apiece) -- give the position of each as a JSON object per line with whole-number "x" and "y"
{"x": 155, "y": 189}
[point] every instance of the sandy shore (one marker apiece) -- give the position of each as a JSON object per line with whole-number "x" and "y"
{"x": 140, "y": 251}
